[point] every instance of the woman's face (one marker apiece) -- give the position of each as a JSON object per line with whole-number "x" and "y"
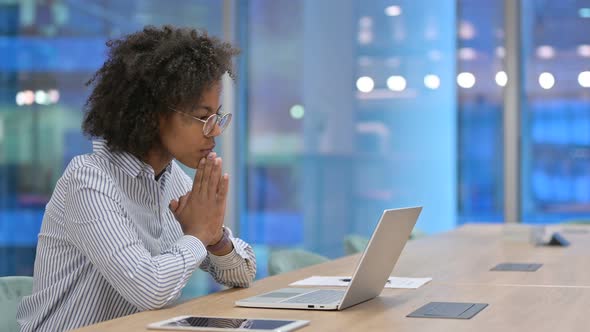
{"x": 182, "y": 136}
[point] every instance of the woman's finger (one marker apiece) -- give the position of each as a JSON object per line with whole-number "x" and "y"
{"x": 207, "y": 175}
{"x": 199, "y": 176}
{"x": 215, "y": 177}
{"x": 223, "y": 188}
{"x": 182, "y": 201}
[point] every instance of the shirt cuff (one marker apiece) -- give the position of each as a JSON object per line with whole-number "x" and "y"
{"x": 230, "y": 261}
{"x": 194, "y": 246}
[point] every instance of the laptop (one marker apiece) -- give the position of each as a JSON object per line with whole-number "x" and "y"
{"x": 371, "y": 274}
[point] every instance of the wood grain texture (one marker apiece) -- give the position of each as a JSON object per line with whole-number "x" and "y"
{"x": 554, "y": 298}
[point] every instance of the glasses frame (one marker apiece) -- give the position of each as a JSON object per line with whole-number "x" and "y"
{"x": 219, "y": 117}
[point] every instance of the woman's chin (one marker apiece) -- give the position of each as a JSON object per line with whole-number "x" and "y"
{"x": 190, "y": 163}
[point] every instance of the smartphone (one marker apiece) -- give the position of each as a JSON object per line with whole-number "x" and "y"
{"x": 203, "y": 323}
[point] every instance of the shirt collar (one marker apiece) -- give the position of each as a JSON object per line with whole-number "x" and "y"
{"x": 129, "y": 163}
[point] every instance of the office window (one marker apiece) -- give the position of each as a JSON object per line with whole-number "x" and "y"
{"x": 48, "y": 49}
{"x": 556, "y": 111}
{"x": 350, "y": 109}
{"x": 480, "y": 80}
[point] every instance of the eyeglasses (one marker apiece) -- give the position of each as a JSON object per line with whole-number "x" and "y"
{"x": 221, "y": 120}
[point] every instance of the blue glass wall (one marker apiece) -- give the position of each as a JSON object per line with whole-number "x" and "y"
{"x": 48, "y": 49}
{"x": 480, "y": 53}
{"x": 556, "y": 112}
{"x": 325, "y": 157}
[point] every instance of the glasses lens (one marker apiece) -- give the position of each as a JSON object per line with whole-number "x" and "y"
{"x": 210, "y": 124}
{"x": 224, "y": 122}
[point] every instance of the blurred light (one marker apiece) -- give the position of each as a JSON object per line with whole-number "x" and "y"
{"x": 365, "y": 84}
{"x": 297, "y": 111}
{"x": 28, "y": 97}
{"x": 20, "y": 98}
{"x": 393, "y": 11}
{"x": 365, "y": 34}
{"x": 365, "y": 37}
{"x": 584, "y": 51}
{"x": 545, "y": 52}
{"x": 584, "y": 12}
{"x": 466, "y": 30}
{"x": 501, "y": 78}
{"x": 432, "y": 81}
{"x": 396, "y": 83}
{"x": 41, "y": 97}
{"x": 467, "y": 53}
{"x": 546, "y": 80}
{"x": 584, "y": 79}
{"x": 466, "y": 80}
{"x": 500, "y": 52}
{"x": 365, "y": 22}
{"x": 53, "y": 96}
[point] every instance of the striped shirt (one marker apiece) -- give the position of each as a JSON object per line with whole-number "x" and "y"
{"x": 109, "y": 245}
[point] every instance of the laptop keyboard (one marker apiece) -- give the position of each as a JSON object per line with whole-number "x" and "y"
{"x": 322, "y": 296}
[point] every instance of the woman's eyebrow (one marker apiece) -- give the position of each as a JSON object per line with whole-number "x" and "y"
{"x": 200, "y": 109}
{"x": 208, "y": 109}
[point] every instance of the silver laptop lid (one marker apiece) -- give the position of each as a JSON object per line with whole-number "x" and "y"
{"x": 379, "y": 258}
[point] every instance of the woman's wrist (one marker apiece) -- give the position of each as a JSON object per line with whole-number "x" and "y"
{"x": 222, "y": 247}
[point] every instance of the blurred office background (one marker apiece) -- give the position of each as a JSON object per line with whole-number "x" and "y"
{"x": 342, "y": 108}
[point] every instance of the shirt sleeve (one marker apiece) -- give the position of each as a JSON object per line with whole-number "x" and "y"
{"x": 236, "y": 269}
{"x": 96, "y": 224}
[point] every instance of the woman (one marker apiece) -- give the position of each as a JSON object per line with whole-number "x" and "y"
{"x": 125, "y": 227}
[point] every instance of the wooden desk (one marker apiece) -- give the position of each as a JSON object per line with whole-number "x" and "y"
{"x": 466, "y": 255}
{"x": 547, "y": 300}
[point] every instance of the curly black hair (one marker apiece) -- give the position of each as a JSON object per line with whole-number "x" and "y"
{"x": 145, "y": 73}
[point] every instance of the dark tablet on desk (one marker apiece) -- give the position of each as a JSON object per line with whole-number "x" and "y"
{"x": 523, "y": 267}
{"x": 448, "y": 310}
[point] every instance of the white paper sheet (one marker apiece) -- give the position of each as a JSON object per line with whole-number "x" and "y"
{"x": 394, "y": 282}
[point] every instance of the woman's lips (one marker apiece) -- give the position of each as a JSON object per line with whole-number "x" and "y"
{"x": 207, "y": 151}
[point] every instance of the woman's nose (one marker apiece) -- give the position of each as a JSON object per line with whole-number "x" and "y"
{"x": 216, "y": 131}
